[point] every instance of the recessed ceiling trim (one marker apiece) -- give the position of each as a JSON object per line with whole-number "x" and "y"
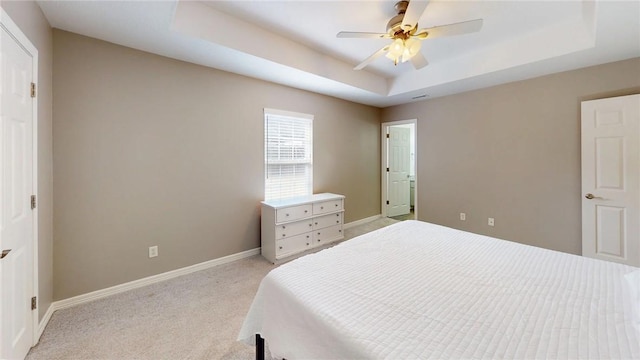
{"x": 519, "y": 40}
{"x": 198, "y": 20}
{"x": 571, "y": 36}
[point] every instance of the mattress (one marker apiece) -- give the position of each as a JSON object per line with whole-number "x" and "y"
{"x": 415, "y": 290}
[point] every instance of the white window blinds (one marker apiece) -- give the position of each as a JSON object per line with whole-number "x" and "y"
{"x": 288, "y": 150}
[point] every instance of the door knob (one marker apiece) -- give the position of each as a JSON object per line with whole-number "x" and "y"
{"x": 589, "y": 196}
{"x": 4, "y": 253}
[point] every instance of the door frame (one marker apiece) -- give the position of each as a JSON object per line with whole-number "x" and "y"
{"x": 8, "y": 25}
{"x": 383, "y": 167}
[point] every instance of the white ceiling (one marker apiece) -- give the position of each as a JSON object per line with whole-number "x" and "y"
{"x": 294, "y": 43}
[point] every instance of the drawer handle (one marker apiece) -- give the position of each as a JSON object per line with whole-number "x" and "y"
{"x": 287, "y": 214}
{"x": 316, "y": 223}
{"x": 340, "y": 230}
{"x": 310, "y": 224}
{"x": 284, "y": 227}
{"x": 307, "y": 236}
{"x": 318, "y": 233}
{"x": 336, "y": 205}
{"x": 307, "y": 244}
{"x": 318, "y": 240}
{"x": 283, "y": 235}
{"x": 306, "y": 211}
{"x": 280, "y": 247}
{"x": 321, "y": 207}
{"x": 337, "y": 221}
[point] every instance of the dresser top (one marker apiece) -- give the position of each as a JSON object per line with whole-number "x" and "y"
{"x": 301, "y": 200}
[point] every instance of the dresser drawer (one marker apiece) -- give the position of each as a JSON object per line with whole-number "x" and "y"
{"x": 291, "y": 227}
{"x": 292, "y": 245}
{"x": 327, "y": 235}
{"x": 327, "y": 220}
{"x": 294, "y": 228}
{"x": 293, "y": 213}
{"x": 327, "y": 206}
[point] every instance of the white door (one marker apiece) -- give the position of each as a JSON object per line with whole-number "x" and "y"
{"x": 398, "y": 185}
{"x": 611, "y": 179}
{"x": 16, "y": 184}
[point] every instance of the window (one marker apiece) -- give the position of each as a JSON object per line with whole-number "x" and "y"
{"x": 288, "y": 148}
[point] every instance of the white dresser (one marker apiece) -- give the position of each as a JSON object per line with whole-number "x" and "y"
{"x": 293, "y": 226}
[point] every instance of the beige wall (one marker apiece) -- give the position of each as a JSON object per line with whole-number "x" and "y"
{"x": 511, "y": 152}
{"x": 29, "y": 18}
{"x": 153, "y": 151}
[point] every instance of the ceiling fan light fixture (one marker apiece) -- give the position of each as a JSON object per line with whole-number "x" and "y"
{"x": 412, "y": 46}
{"x": 403, "y": 50}
{"x": 397, "y": 48}
{"x": 411, "y": 49}
{"x": 394, "y": 58}
{"x": 406, "y": 56}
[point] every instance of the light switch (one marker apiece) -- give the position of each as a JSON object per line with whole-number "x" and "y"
{"x": 491, "y": 222}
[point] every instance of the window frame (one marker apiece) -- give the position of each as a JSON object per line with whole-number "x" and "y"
{"x": 307, "y": 162}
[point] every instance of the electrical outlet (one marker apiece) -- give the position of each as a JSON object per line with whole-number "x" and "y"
{"x": 463, "y": 216}
{"x": 153, "y": 251}
{"x": 491, "y": 222}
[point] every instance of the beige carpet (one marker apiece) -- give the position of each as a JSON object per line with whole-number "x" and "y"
{"x": 196, "y": 316}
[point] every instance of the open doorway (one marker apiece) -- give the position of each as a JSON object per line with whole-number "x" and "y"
{"x": 399, "y": 176}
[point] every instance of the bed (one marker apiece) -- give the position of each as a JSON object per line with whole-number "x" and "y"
{"x": 415, "y": 290}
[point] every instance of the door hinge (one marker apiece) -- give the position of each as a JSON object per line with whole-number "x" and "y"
{"x": 387, "y": 202}
{"x": 34, "y": 303}
{"x": 387, "y": 136}
{"x": 33, "y": 202}
{"x": 33, "y": 90}
{"x": 387, "y": 169}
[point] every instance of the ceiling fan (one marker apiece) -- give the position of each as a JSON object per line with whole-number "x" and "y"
{"x": 403, "y": 30}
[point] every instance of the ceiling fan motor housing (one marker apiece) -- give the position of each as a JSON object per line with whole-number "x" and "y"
{"x": 395, "y": 24}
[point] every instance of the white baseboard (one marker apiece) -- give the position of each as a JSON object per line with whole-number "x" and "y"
{"x": 44, "y": 322}
{"x": 362, "y": 221}
{"x": 99, "y": 294}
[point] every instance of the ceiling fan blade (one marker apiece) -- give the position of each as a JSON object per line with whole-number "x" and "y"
{"x": 365, "y": 35}
{"x": 460, "y": 28}
{"x": 413, "y": 14}
{"x": 419, "y": 61}
{"x": 374, "y": 56}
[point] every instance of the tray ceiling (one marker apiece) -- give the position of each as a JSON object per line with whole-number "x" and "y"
{"x": 294, "y": 42}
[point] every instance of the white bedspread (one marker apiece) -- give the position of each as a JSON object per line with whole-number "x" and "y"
{"x": 415, "y": 290}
